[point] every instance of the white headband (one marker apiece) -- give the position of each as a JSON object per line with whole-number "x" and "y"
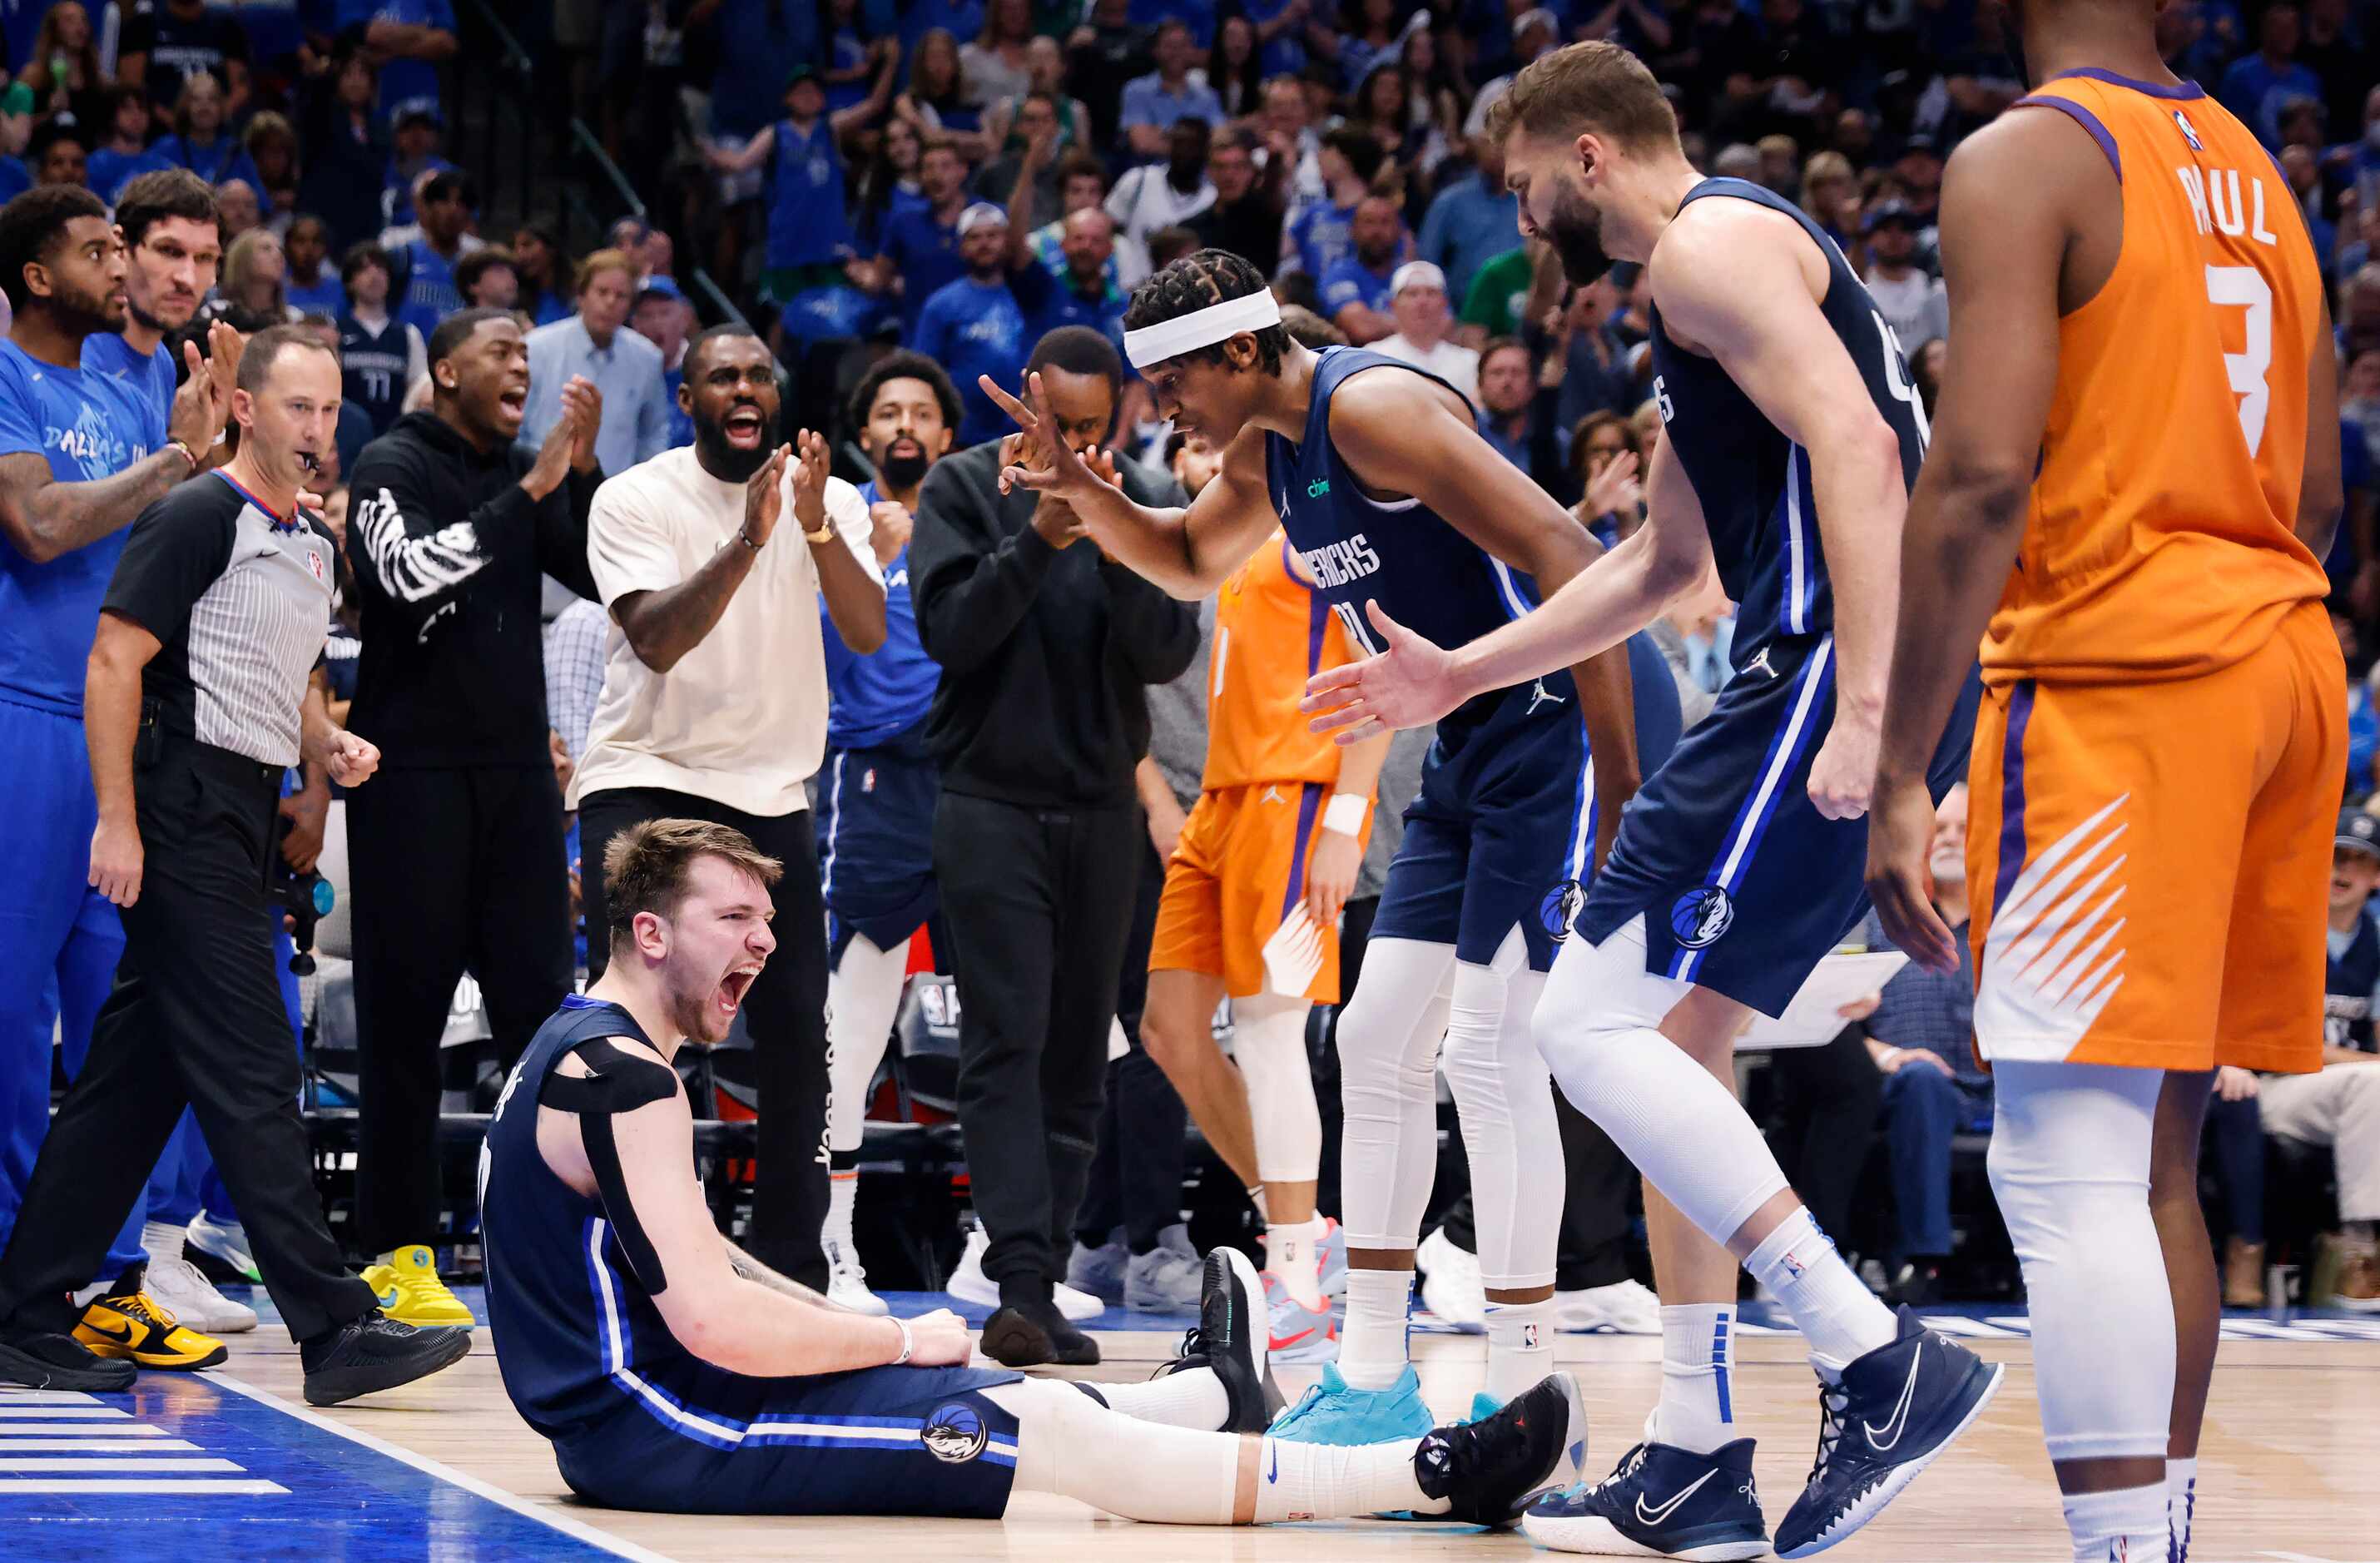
{"x": 1200, "y": 328}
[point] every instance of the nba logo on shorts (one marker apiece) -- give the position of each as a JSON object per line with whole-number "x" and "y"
{"x": 1559, "y": 908}
{"x": 955, "y": 1433}
{"x": 1701, "y": 915}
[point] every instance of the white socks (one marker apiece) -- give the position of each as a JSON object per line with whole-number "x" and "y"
{"x": 2124, "y": 1526}
{"x": 1329, "y": 1482}
{"x": 1838, "y": 1315}
{"x": 842, "y": 1193}
{"x": 1520, "y": 1346}
{"x": 1193, "y": 1397}
{"x": 1292, "y": 1255}
{"x": 161, "y": 1240}
{"x": 1372, "y": 1347}
{"x": 2180, "y": 1504}
{"x": 1697, "y": 1406}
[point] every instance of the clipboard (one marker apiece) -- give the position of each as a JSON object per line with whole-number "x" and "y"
{"x": 1812, "y": 1020}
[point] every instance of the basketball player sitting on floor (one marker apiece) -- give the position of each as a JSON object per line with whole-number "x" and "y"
{"x": 671, "y": 1373}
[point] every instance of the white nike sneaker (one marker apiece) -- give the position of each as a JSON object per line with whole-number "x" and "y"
{"x": 221, "y": 1246}
{"x": 1621, "y": 1308}
{"x": 176, "y": 1282}
{"x": 847, "y": 1284}
{"x": 969, "y": 1284}
{"x": 1451, "y": 1287}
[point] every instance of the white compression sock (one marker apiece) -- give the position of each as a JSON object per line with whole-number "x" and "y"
{"x": 1269, "y": 1044}
{"x": 2180, "y": 1504}
{"x": 1329, "y": 1482}
{"x": 163, "y": 1239}
{"x": 1387, "y": 1039}
{"x": 2123, "y": 1526}
{"x": 1520, "y": 1346}
{"x": 1840, "y": 1318}
{"x": 1193, "y": 1397}
{"x": 1372, "y": 1346}
{"x": 863, "y": 994}
{"x": 1506, "y": 1099}
{"x": 1697, "y": 1406}
{"x": 842, "y": 1194}
{"x": 1292, "y": 1255}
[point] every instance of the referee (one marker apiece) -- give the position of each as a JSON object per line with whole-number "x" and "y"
{"x": 196, "y": 700}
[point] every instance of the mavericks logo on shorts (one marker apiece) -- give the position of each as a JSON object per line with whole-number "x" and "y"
{"x": 1560, "y": 909}
{"x": 955, "y": 1433}
{"x": 1701, "y": 915}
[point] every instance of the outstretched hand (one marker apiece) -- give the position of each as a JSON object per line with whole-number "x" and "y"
{"x": 1410, "y": 684}
{"x": 1042, "y": 461}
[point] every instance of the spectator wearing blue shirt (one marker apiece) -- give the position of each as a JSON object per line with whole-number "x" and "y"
{"x": 1281, "y": 33}
{"x": 1201, "y": 16}
{"x": 1320, "y": 232}
{"x": 536, "y": 260}
{"x": 198, "y": 142}
{"x": 661, "y": 317}
{"x": 919, "y": 250}
{"x": 313, "y": 287}
{"x": 2362, "y": 721}
{"x": 413, "y": 158}
{"x": 1356, "y": 291}
{"x": 173, "y": 245}
{"x": 810, "y": 237}
{"x": 623, "y": 367}
{"x": 426, "y": 265}
{"x": 79, "y": 457}
{"x": 412, "y": 37}
{"x": 2258, "y": 86}
{"x": 976, "y": 326}
{"x": 1506, "y": 390}
{"x": 14, "y": 178}
{"x": 1152, "y": 102}
{"x": 125, "y": 154}
{"x": 1471, "y": 221}
{"x": 1081, "y": 290}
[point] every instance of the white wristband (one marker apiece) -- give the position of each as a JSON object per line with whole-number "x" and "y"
{"x": 1345, "y": 813}
{"x": 903, "y": 1326}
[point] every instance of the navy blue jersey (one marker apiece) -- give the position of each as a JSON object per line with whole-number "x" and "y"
{"x": 2353, "y": 973}
{"x": 372, "y": 369}
{"x": 808, "y": 224}
{"x": 1754, "y": 482}
{"x": 1423, "y": 572}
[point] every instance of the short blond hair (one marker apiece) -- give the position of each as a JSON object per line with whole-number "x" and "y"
{"x": 1597, "y": 86}
{"x": 604, "y": 261}
{"x": 647, "y": 867}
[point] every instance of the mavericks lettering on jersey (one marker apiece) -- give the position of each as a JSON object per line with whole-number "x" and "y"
{"x": 1335, "y": 564}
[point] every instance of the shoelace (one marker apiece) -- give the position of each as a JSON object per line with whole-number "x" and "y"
{"x": 141, "y": 1305}
{"x": 1832, "y": 1403}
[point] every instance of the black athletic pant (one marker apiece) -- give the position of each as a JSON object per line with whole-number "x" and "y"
{"x": 1597, "y": 1180}
{"x": 1136, "y": 1181}
{"x": 1040, "y": 903}
{"x": 785, "y": 1013}
{"x": 452, "y": 871}
{"x": 1831, "y": 1100}
{"x": 195, "y": 1019}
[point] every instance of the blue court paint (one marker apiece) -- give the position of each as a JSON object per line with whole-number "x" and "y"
{"x": 201, "y": 1466}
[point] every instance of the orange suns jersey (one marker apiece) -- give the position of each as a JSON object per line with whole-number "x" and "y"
{"x": 1272, "y": 633}
{"x": 2160, "y": 539}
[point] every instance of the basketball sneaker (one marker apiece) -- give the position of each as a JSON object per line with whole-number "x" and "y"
{"x": 1622, "y": 1308}
{"x": 410, "y": 1291}
{"x": 1489, "y": 1470}
{"x": 1229, "y": 1338}
{"x": 1166, "y": 1279}
{"x": 1332, "y": 1253}
{"x": 846, "y": 1281}
{"x": 133, "y": 1326}
{"x": 1098, "y": 1272}
{"x": 1451, "y": 1287}
{"x": 43, "y": 1358}
{"x": 219, "y": 1251}
{"x": 176, "y": 1282}
{"x": 1300, "y": 1334}
{"x": 1895, "y": 1409}
{"x": 969, "y": 1284}
{"x": 1660, "y": 1501}
{"x": 1331, "y": 1412}
{"x": 376, "y": 1353}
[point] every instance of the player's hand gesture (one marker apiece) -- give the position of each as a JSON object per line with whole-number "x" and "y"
{"x": 764, "y": 498}
{"x": 1900, "y": 832}
{"x": 938, "y": 1339}
{"x": 810, "y": 480}
{"x": 1410, "y": 684}
{"x": 1042, "y": 462}
{"x": 1844, "y": 772}
{"x": 200, "y": 406}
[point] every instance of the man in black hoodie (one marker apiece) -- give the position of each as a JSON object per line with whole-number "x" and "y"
{"x": 1046, "y": 646}
{"x": 458, "y": 862}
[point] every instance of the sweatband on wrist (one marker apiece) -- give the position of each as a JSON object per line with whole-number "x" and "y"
{"x": 1345, "y": 813}
{"x": 903, "y": 1326}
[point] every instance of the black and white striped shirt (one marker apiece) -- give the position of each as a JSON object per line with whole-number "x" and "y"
{"x": 240, "y": 601}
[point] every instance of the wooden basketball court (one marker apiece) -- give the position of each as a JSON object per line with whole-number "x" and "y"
{"x": 230, "y": 1465}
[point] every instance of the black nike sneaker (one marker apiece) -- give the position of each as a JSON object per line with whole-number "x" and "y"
{"x": 1232, "y": 1334}
{"x": 1488, "y": 1471}
{"x": 1660, "y": 1501}
{"x": 43, "y": 1358}
{"x": 1896, "y": 1409}
{"x": 376, "y": 1353}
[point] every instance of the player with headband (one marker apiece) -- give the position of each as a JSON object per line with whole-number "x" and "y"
{"x": 1379, "y": 476}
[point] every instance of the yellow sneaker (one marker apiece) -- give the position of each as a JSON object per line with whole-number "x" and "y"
{"x": 139, "y": 1329}
{"x": 410, "y": 1291}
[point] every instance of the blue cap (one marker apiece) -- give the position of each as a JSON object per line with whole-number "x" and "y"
{"x": 659, "y": 287}
{"x": 2359, "y": 831}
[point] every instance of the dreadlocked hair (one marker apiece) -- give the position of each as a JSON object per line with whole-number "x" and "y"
{"x": 1196, "y": 281}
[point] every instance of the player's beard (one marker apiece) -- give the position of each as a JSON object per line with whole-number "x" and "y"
{"x": 724, "y": 461}
{"x": 904, "y": 472}
{"x": 1576, "y": 234}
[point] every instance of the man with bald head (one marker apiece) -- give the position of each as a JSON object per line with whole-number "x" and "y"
{"x": 1356, "y": 292}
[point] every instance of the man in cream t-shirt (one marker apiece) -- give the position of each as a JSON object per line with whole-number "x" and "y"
{"x": 1426, "y": 329}
{"x": 711, "y": 558}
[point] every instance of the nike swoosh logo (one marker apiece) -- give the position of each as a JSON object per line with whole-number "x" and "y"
{"x": 1654, "y": 1516}
{"x": 388, "y": 1298}
{"x": 1273, "y": 1473}
{"x": 1898, "y": 1423}
{"x": 122, "y": 1332}
{"x": 1280, "y": 1342}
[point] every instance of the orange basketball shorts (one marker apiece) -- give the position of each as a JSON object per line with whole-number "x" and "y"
{"x": 2149, "y": 863}
{"x": 1237, "y": 872}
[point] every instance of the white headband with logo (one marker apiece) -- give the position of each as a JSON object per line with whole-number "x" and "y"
{"x": 1200, "y": 328}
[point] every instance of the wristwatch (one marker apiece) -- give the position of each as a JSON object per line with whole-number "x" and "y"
{"x": 826, "y": 529}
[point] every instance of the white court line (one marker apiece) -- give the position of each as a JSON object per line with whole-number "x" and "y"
{"x": 96, "y": 1446}
{"x": 142, "y": 1466}
{"x": 429, "y": 1467}
{"x": 15, "y": 1397}
{"x": 84, "y": 1413}
{"x": 128, "y": 1487}
{"x": 71, "y": 1429}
